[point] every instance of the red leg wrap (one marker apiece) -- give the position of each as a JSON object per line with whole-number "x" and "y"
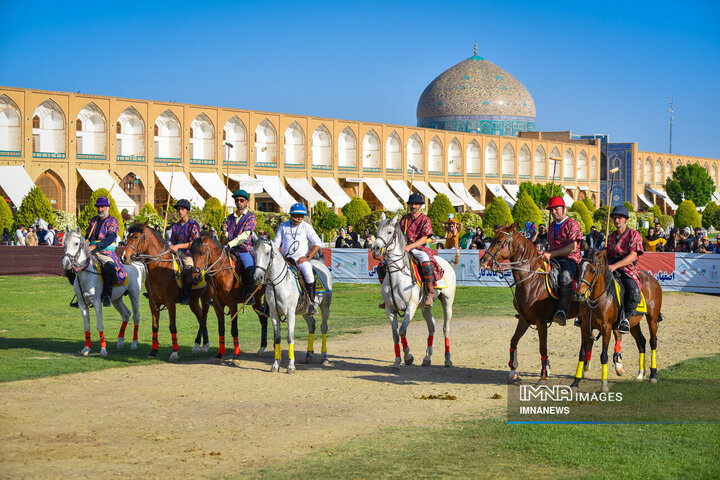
{"x": 122, "y": 330}
{"x": 617, "y": 346}
{"x": 588, "y": 354}
{"x": 447, "y": 345}
{"x": 221, "y": 348}
{"x": 174, "y": 342}
{"x": 236, "y": 346}
{"x": 430, "y": 340}
{"x": 88, "y": 344}
{"x": 404, "y": 343}
{"x": 135, "y": 332}
{"x": 397, "y": 350}
{"x": 155, "y": 344}
{"x": 102, "y": 340}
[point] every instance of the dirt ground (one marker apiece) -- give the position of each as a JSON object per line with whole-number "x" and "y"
{"x": 204, "y": 420}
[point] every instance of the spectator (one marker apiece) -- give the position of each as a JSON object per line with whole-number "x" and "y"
{"x": 343, "y": 241}
{"x": 20, "y": 235}
{"x": 595, "y": 239}
{"x": 652, "y": 241}
{"x": 353, "y": 237}
{"x": 50, "y": 235}
{"x": 223, "y": 234}
{"x": 6, "y": 237}
{"x": 478, "y": 241}
{"x": 31, "y": 238}
{"x": 369, "y": 238}
{"x": 466, "y": 239}
{"x": 658, "y": 228}
{"x": 452, "y": 233}
{"x": 705, "y": 246}
{"x": 540, "y": 238}
{"x": 684, "y": 243}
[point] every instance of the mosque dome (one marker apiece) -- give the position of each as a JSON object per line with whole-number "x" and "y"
{"x": 477, "y": 96}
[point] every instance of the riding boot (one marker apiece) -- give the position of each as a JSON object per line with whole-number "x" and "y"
{"x": 623, "y": 323}
{"x": 632, "y": 299}
{"x": 380, "y": 269}
{"x": 430, "y": 287}
{"x": 186, "y": 287}
{"x": 109, "y": 277}
{"x": 560, "y": 317}
{"x": 310, "y": 286}
{"x": 428, "y": 273}
{"x": 248, "y": 285}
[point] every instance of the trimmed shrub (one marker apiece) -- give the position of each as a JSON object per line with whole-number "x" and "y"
{"x": 645, "y": 217}
{"x": 6, "y": 216}
{"x": 585, "y": 215}
{"x": 35, "y": 205}
{"x": 355, "y": 210}
{"x": 655, "y": 210}
{"x": 711, "y": 215}
{"x": 214, "y": 213}
{"x": 148, "y": 209}
{"x": 372, "y": 221}
{"x": 666, "y": 221}
{"x": 470, "y": 219}
{"x": 545, "y": 217}
{"x": 589, "y": 204}
{"x": 629, "y": 206}
{"x": 64, "y": 219}
{"x": 525, "y": 210}
{"x": 541, "y": 192}
{"x": 498, "y": 213}
{"x": 83, "y": 220}
{"x": 687, "y": 215}
{"x": 438, "y": 213}
{"x": 325, "y": 221}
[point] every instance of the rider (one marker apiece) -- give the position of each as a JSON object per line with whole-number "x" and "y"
{"x": 102, "y": 234}
{"x": 564, "y": 240}
{"x": 240, "y": 226}
{"x": 624, "y": 246}
{"x": 292, "y": 239}
{"x": 184, "y": 231}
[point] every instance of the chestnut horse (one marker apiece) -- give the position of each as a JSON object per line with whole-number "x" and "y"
{"x": 145, "y": 244}
{"x": 601, "y": 313}
{"x": 531, "y": 299}
{"x": 225, "y": 289}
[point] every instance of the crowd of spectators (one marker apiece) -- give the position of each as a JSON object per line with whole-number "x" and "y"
{"x": 31, "y": 236}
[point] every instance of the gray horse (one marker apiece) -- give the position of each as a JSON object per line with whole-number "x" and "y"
{"x": 88, "y": 286}
{"x": 283, "y": 299}
{"x": 401, "y": 294}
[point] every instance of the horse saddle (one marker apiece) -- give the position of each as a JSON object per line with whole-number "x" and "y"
{"x": 320, "y": 286}
{"x": 552, "y": 277}
{"x": 98, "y": 270}
{"x": 620, "y": 295}
{"x": 417, "y": 276}
{"x": 177, "y": 268}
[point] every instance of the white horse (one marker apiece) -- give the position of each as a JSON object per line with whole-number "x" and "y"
{"x": 88, "y": 287}
{"x": 401, "y": 294}
{"x": 283, "y": 299}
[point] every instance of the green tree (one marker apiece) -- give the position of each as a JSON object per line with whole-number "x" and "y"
{"x": 325, "y": 221}
{"x": 589, "y": 204}
{"x": 83, "y": 220}
{"x": 148, "y": 209}
{"x": 687, "y": 215}
{"x": 438, "y": 213}
{"x": 711, "y": 215}
{"x": 35, "y": 205}
{"x": 6, "y": 216}
{"x": 263, "y": 225}
{"x": 655, "y": 210}
{"x": 585, "y": 215}
{"x": 600, "y": 217}
{"x": 629, "y": 206}
{"x": 469, "y": 219}
{"x": 541, "y": 192}
{"x": 214, "y": 213}
{"x": 691, "y": 182}
{"x": 498, "y": 213}
{"x": 356, "y": 209}
{"x": 525, "y": 210}
{"x": 372, "y": 221}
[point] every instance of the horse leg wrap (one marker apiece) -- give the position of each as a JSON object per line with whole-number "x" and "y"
{"x": 579, "y": 371}
{"x": 135, "y": 332}
{"x": 545, "y": 364}
{"x": 403, "y": 340}
{"x": 430, "y": 340}
{"x": 121, "y": 334}
{"x": 603, "y": 377}
{"x": 88, "y": 344}
{"x": 174, "y": 342}
{"x": 236, "y": 346}
{"x": 291, "y": 352}
{"x": 221, "y": 345}
{"x": 588, "y": 355}
{"x": 513, "y": 363}
{"x": 311, "y": 342}
{"x": 155, "y": 344}
{"x": 641, "y": 362}
{"x": 278, "y": 352}
{"x": 102, "y": 340}
{"x": 617, "y": 346}
{"x": 447, "y": 345}
{"x": 653, "y": 364}
{"x": 397, "y": 350}
{"x": 324, "y": 344}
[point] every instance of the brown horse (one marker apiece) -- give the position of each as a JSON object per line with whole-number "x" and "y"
{"x": 225, "y": 289}
{"x": 601, "y": 312}
{"x": 145, "y": 244}
{"x": 531, "y": 299}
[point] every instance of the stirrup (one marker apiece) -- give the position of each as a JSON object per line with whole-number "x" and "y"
{"x": 381, "y": 305}
{"x": 74, "y": 303}
{"x": 185, "y": 300}
{"x": 106, "y": 300}
{"x": 578, "y": 321}
{"x": 622, "y": 325}
{"x": 560, "y": 318}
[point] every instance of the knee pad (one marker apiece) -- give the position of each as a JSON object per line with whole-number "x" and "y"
{"x": 428, "y": 271}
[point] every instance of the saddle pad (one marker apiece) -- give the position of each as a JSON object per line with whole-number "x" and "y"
{"x": 320, "y": 287}
{"x": 98, "y": 270}
{"x": 178, "y": 276}
{"x": 442, "y": 283}
{"x": 545, "y": 269}
{"x": 620, "y": 294}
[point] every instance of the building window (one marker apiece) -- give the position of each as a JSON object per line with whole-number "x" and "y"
{"x": 191, "y": 132}
{"x": 78, "y": 125}
{"x": 224, "y": 135}
{"x": 118, "y": 128}
{"x": 155, "y": 130}
{"x": 36, "y": 122}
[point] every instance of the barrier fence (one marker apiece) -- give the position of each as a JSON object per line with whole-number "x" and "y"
{"x": 689, "y": 272}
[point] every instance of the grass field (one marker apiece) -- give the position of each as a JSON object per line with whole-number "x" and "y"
{"x": 41, "y": 336}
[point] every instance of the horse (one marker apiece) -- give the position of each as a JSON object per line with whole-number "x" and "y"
{"x": 401, "y": 293}
{"x": 145, "y": 244}
{"x": 283, "y": 298}
{"x": 225, "y": 289}
{"x": 88, "y": 286}
{"x": 596, "y": 284}
{"x": 531, "y": 299}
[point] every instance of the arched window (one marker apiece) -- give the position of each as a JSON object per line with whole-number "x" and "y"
{"x": 167, "y": 138}
{"x": 130, "y": 136}
{"x": 582, "y": 167}
{"x": 371, "y": 152}
{"x": 10, "y": 124}
{"x": 235, "y": 134}
{"x": 593, "y": 169}
{"x": 415, "y": 153}
{"x": 49, "y": 135}
{"x": 91, "y": 136}
{"x": 569, "y": 165}
{"x": 294, "y": 145}
{"x": 321, "y": 149}
{"x": 658, "y": 171}
{"x": 454, "y": 158}
{"x": 435, "y": 154}
{"x": 524, "y": 162}
{"x": 554, "y": 167}
{"x": 36, "y": 122}
{"x": 540, "y": 163}
{"x": 648, "y": 171}
{"x": 265, "y": 144}
{"x": 508, "y": 161}
{"x": 491, "y": 160}
{"x": 474, "y": 165}
{"x": 393, "y": 152}
{"x": 78, "y": 125}
{"x": 202, "y": 140}
{"x": 347, "y": 150}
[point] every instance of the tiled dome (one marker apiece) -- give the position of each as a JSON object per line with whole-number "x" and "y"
{"x": 477, "y": 96}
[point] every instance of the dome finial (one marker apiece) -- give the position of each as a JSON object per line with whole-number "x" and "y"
{"x": 475, "y": 49}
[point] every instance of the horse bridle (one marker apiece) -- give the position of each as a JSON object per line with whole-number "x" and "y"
{"x": 593, "y": 303}
{"x": 266, "y": 270}
{"x": 137, "y": 256}
{"x": 506, "y": 242}
{"x": 74, "y": 260}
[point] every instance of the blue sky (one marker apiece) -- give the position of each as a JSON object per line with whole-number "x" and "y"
{"x": 591, "y": 67}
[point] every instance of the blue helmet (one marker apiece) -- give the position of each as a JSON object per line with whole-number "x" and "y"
{"x": 620, "y": 210}
{"x": 298, "y": 209}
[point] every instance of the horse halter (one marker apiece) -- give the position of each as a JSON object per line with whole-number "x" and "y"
{"x": 266, "y": 270}
{"x": 74, "y": 260}
{"x": 505, "y": 243}
{"x": 386, "y": 244}
{"x": 136, "y": 255}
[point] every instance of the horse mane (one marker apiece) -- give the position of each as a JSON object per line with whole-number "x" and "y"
{"x": 138, "y": 228}
{"x": 195, "y": 245}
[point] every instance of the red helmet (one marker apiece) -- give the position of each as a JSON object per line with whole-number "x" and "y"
{"x": 555, "y": 202}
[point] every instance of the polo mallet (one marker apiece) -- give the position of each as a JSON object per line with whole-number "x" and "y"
{"x": 167, "y": 206}
{"x": 609, "y": 200}
{"x": 242, "y": 305}
{"x": 412, "y": 178}
{"x": 227, "y": 174}
{"x": 552, "y": 182}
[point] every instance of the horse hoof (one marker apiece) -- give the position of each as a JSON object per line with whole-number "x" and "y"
{"x": 308, "y": 359}
{"x": 236, "y": 362}
{"x": 409, "y": 359}
{"x": 605, "y": 388}
{"x": 653, "y": 379}
{"x": 542, "y": 381}
{"x": 120, "y": 344}
{"x": 291, "y": 371}
{"x": 448, "y": 363}
{"x": 260, "y": 353}
{"x": 426, "y": 362}
{"x": 134, "y": 345}
{"x": 152, "y": 354}
{"x": 513, "y": 377}
{"x": 196, "y": 348}
{"x": 586, "y": 367}
{"x": 275, "y": 368}
{"x": 85, "y": 352}
{"x": 619, "y": 369}
{"x": 103, "y": 352}
{"x": 205, "y": 348}
{"x": 639, "y": 376}
{"x": 325, "y": 362}
{"x": 218, "y": 359}
{"x": 173, "y": 357}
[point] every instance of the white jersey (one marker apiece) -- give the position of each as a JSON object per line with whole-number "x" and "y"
{"x": 293, "y": 241}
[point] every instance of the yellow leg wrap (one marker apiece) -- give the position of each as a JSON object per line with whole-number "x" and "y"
{"x": 642, "y": 361}
{"x": 324, "y": 343}
{"x": 604, "y": 372}
{"x": 311, "y": 342}
{"x": 579, "y": 371}
{"x": 653, "y": 362}
{"x": 291, "y": 351}
{"x": 278, "y": 352}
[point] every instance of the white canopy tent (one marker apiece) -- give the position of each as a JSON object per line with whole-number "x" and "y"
{"x": 567, "y": 198}
{"x": 214, "y": 186}
{"x": 441, "y": 187}
{"x": 333, "y": 190}
{"x": 716, "y": 197}
{"x": 512, "y": 189}
{"x": 498, "y": 191}
{"x": 661, "y": 193}
{"x": 305, "y": 190}
{"x": 467, "y": 197}
{"x": 181, "y": 187}
{"x": 247, "y": 183}
{"x": 275, "y": 189}
{"x": 401, "y": 188}
{"x": 645, "y": 200}
{"x": 16, "y": 183}
{"x": 383, "y": 193}
{"x": 97, "y": 179}
{"x": 425, "y": 189}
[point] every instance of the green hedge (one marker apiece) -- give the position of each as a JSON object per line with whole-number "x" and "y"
{"x": 687, "y": 215}
{"x": 498, "y": 213}
{"x": 90, "y": 211}
{"x": 526, "y": 210}
{"x": 586, "y": 219}
{"x": 6, "y": 216}
{"x": 35, "y": 205}
{"x": 438, "y": 213}
{"x": 356, "y": 209}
